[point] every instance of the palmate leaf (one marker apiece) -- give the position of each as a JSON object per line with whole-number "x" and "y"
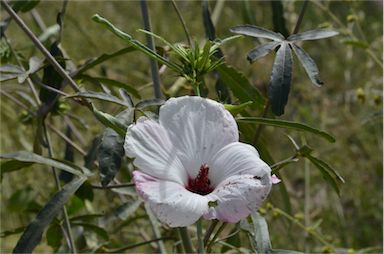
{"x": 308, "y": 64}
{"x": 279, "y": 87}
{"x": 32, "y": 234}
{"x": 313, "y": 35}
{"x": 261, "y": 50}
{"x": 258, "y": 32}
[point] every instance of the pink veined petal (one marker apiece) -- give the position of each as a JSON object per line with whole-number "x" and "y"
{"x": 148, "y": 142}
{"x": 236, "y": 159}
{"x": 275, "y": 179}
{"x": 198, "y": 128}
{"x": 238, "y": 196}
{"x": 170, "y": 201}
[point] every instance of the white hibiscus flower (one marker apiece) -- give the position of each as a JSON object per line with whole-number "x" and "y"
{"x": 192, "y": 165}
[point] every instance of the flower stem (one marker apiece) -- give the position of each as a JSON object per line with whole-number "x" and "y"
{"x": 182, "y": 22}
{"x": 200, "y": 239}
{"x": 210, "y": 244}
{"x": 210, "y": 230}
{"x": 301, "y": 15}
{"x": 186, "y": 240}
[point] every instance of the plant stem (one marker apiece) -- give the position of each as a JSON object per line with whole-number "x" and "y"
{"x": 210, "y": 244}
{"x": 300, "y": 18}
{"x": 151, "y": 46}
{"x": 210, "y": 230}
{"x": 182, "y": 22}
{"x": 186, "y": 240}
{"x": 261, "y": 127}
{"x": 115, "y": 186}
{"x": 58, "y": 186}
{"x": 40, "y": 46}
{"x": 119, "y": 250}
{"x": 200, "y": 239}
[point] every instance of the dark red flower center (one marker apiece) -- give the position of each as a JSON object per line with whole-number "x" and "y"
{"x": 201, "y": 184}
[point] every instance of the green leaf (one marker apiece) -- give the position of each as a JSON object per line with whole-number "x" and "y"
{"x": 208, "y": 24}
{"x": 11, "y": 232}
{"x": 240, "y": 86}
{"x": 279, "y": 87}
{"x": 261, "y": 51}
{"x": 12, "y": 165}
{"x": 111, "y": 122}
{"x": 24, "y": 5}
{"x": 326, "y": 174}
{"x": 356, "y": 43}
{"x": 287, "y": 125}
{"x": 313, "y": 35}
{"x": 308, "y": 64}
{"x": 236, "y": 109}
{"x": 258, "y": 232}
{"x": 54, "y": 236}
{"x": 32, "y": 234}
{"x": 10, "y": 71}
{"x": 49, "y": 33}
{"x": 257, "y": 32}
{"x": 136, "y": 44}
{"x": 150, "y": 102}
{"x": 111, "y": 82}
{"x": 24, "y": 156}
{"x": 127, "y": 209}
{"x": 99, "y": 96}
{"x": 94, "y": 228}
{"x": 98, "y": 60}
{"x": 278, "y": 17}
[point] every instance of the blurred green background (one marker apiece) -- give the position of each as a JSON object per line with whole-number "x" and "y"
{"x": 349, "y": 106}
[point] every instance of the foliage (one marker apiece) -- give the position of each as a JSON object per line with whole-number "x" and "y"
{"x": 80, "y": 132}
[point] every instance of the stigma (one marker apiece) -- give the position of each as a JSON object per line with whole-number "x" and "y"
{"x": 201, "y": 184}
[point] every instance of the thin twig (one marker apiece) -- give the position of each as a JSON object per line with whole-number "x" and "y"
{"x": 209, "y": 231}
{"x": 16, "y": 101}
{"x": 210, "y": 244}
{"x": 261, "y": 127}
{"x": 40, "y": 46}
{"x": 182, "y": 23}
{"x": 115, "y": 186}
{"x": 58, "y": 186}
{"x": 67, "y": 139}
{"x": 151, "y": 45}
{"x": 119, "y": 250}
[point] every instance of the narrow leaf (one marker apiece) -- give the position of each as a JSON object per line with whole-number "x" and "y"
{"x": 98, "y": 60}
{"x": 261, "y": 233}
{"x": 25, "y": 156}
{"x": 100, "y": 96}
{"x": 257, "y": 32}
{"x": 111, "y": 82}
{"x": 10, "y": 68}
{"x": 261, "y": 51}
{"x": 327, "y": 176}
{"x": 208, "y": 24}
{"x": 12, "y": 165}
{"x": 111, "y": 122}
{"x": 287, "y": 125}
{"x": 236, "y": 109}
{"x": 126, "y": 210}
{"x": 94, "y": 228}
{"x": 32, "y": 234}
{"x": 136, "y": 44}
{"x": 279, "y": 87}
{"x": 278, "y": 17}
{"x": 313, "y": 35}
{"x": 240, "y": 86}
{"x": 150, "y": 102}
{"x": 308, "y": 64}
{"x": 327, "y": 167}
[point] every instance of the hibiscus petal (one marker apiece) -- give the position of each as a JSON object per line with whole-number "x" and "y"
{"x": 148, "y": 142}
{"x": 237, "y": 197}
{"x": 198, "y": 127}
{"x": 170, "y": 201}
{"x": 236, "y": 159}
